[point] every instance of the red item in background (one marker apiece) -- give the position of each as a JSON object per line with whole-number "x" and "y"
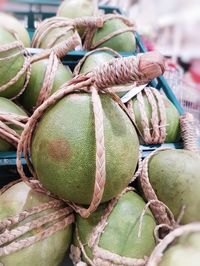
{"x": 195, "y": 70}
{"x": 148, "y": 43}
{"x": 2, "y": 2}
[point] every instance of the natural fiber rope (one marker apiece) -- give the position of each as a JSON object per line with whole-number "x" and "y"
{"x": 24, "y": 243}
{"x": 82, "y": 61}
{"x": 157, "y": 208}
{"x": 154, "y": 131}
{"x": 8, "y": 134}
{"x": 157, "y": 254}
{"x": 9, "y": 234}
{"x": 88, "y": 83}
{"x": 63, "y": 26}
{"x": 190, "y": 143}
{"x": 129, "y": 70}
{"x": 53, "y": 54}
{"x": 188, "y": 133}
{"x": 90, "y": 33}
{"x": 25, "y": 70}
{"x": 101, "y": 256}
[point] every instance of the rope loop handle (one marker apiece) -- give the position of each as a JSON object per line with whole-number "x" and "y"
{"x": 140, "y": 69}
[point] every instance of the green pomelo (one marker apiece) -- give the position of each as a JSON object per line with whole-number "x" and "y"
{"x": 174, "y": 175}
{"x": 120, "y": 236}
{"x": 7, "y": 106}
{"x": 49, "y": 251}
{"x": 76, "y": 8}
{"x": 184, "y": 252}
{"x": 124, "y": 42}
{"x": 51, "y": 39}
{"x": 63, "y": 148}
{"x": 13, "y": 25}
{"x": 95, "y": 60}
{"x": 38, "y": 70}
{"x": 172, "y": 125}
{"x": 9, "y": 67}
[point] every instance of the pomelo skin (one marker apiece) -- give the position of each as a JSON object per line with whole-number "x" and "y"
{"x": 63, "y": 149}
{"x": 13, "y": 25}
{"x": 124, "y": 42}
{"x": 13, "y": 64}
{"x": 10, "y": 107}
{"x": 184, "y": 252}
{"x": 173, "y": 124}
{"x": 38, "y": 70}
{"x": 49, "y": 251}
{"x": 76, "y": 8}
{"x": 95, "y": 60}
{"x": 174, "y": 176}
{"x": 50, "y": 39}
{"x": 120, "y": 236}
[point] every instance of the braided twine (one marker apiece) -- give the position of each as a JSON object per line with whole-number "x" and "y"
{"x": 89, "y": 33}
{"x": 25, "y": 70}
{"x": 7, "y": 133}
{"x": 10, "y": 229}
{"x": 153, "y": 131}
{"x": 158, "y": 252}
{"x": 102, "y": 257}
{"x": 116, "y": 71}
{"x": 63, "y": 26}
{"x": 159, "y": 210}
{"x": 53, "y": 56}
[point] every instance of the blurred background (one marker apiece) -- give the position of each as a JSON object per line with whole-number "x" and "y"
{"x": 170, "y": 26}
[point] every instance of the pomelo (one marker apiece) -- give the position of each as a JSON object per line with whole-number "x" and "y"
{"x": 63, "y": 149}
{"x": 94, "y": 60}
{"x": 51, "y": 32}
{"x": 185, "y": 251}
{"x": 49, "y": 251}
{"x": 38, "y": 70}
{"x": 7, "y": 106}
{"x": 174, "y": 176}
{"x": 120, "y": 235}
{"x": 172, "y": 115}
{"x": 123, "y": 42}
{"x": 13, "y": 25}
{"x": 76, "y": 8}
{"x": 10, "y": 66}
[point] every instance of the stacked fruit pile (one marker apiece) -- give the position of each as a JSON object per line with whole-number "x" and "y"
{"x": 89, "y": 188}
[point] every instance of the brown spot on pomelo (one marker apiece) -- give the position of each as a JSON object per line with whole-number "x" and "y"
{"x": 59, "y": 150}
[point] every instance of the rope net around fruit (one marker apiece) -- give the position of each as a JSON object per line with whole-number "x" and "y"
{"x": 53, "y": 55}
{"x": 11, "y": 229}
{"x": 102, "y": 257}
{"x": 157, "y": 254}
{"x": 63, "y": 27}
{"x": 159, "y": 211}
{"x": 16, "y": 48}
{"x": 78, "y": 67}
{"x": 89, "y": 33}
{"x": 153, "y": 129}
{"x": 122, "y": 70}
{"x": 7, "y": 120}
